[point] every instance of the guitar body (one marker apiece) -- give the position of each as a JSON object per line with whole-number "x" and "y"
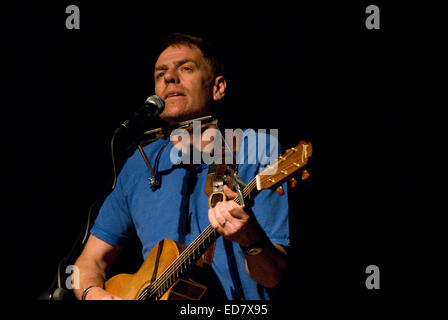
{"x": 131, "y": 286}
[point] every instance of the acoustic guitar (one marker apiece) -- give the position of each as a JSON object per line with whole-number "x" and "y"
{"x": 163, "y": 274}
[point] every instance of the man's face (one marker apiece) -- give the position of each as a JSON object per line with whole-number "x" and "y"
{"x": 183, "y": 78}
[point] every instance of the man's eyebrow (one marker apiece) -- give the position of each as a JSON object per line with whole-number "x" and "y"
{"x": 161, "y": 67}
{"x": 176, "y": 63}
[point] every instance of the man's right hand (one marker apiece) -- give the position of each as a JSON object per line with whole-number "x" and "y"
{"x": 97, "y": 293}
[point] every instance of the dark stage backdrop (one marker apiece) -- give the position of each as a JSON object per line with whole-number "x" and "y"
{"x": 364, "y": 98}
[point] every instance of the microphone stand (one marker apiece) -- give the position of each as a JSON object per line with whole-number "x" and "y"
{"x": 58, "y": 289}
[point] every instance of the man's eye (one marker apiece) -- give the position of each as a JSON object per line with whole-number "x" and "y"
{"x": 160, "y": 74}
{"x": 188, "y": 68}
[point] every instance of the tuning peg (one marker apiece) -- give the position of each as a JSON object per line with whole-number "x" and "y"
{"x": 305, "y": 174}
{"x": 292, "y": 182}
{"x": 280, "y": 190}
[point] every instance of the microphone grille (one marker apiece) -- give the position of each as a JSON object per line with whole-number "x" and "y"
{"x": 156, "y": 101}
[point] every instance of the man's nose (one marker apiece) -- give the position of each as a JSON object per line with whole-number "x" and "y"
{"x": 171, "y": 77}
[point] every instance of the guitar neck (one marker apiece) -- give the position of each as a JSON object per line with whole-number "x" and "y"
{"x": 189, "y": 256}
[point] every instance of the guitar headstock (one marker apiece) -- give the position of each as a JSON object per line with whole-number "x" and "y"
{"x": 290, "y": 162}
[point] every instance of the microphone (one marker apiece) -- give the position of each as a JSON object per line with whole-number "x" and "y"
{"x": 126, "y": 136}
{"x": 153, "y": 106}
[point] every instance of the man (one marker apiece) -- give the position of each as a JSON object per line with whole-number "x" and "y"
{"x": 189, "y": 78}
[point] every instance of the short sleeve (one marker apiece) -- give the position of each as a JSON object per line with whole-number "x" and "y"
{"x": 114, "y": 224}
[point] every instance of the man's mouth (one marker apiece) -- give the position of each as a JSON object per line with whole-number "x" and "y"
{"x": 172, "y": 94}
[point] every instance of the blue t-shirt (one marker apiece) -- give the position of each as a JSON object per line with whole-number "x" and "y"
{"x": 178, "y": 210}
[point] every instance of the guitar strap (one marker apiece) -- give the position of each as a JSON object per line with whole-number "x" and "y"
{"x": 218, "y": 176}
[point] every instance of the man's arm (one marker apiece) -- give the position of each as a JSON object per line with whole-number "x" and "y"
{"x": 96, "y": 258}
{"x": 268, "y": 267}
{"x": 229, "y": 219}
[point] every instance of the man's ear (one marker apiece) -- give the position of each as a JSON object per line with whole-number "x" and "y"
{"x": 219, "y": 88}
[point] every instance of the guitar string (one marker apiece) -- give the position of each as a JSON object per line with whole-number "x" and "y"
{"x": 160, "y": 282}
{"x": 187, "y": 252}
{"x": 155, "y": 286}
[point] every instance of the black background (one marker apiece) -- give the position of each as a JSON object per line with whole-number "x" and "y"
{"x": 366, "y": 99}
